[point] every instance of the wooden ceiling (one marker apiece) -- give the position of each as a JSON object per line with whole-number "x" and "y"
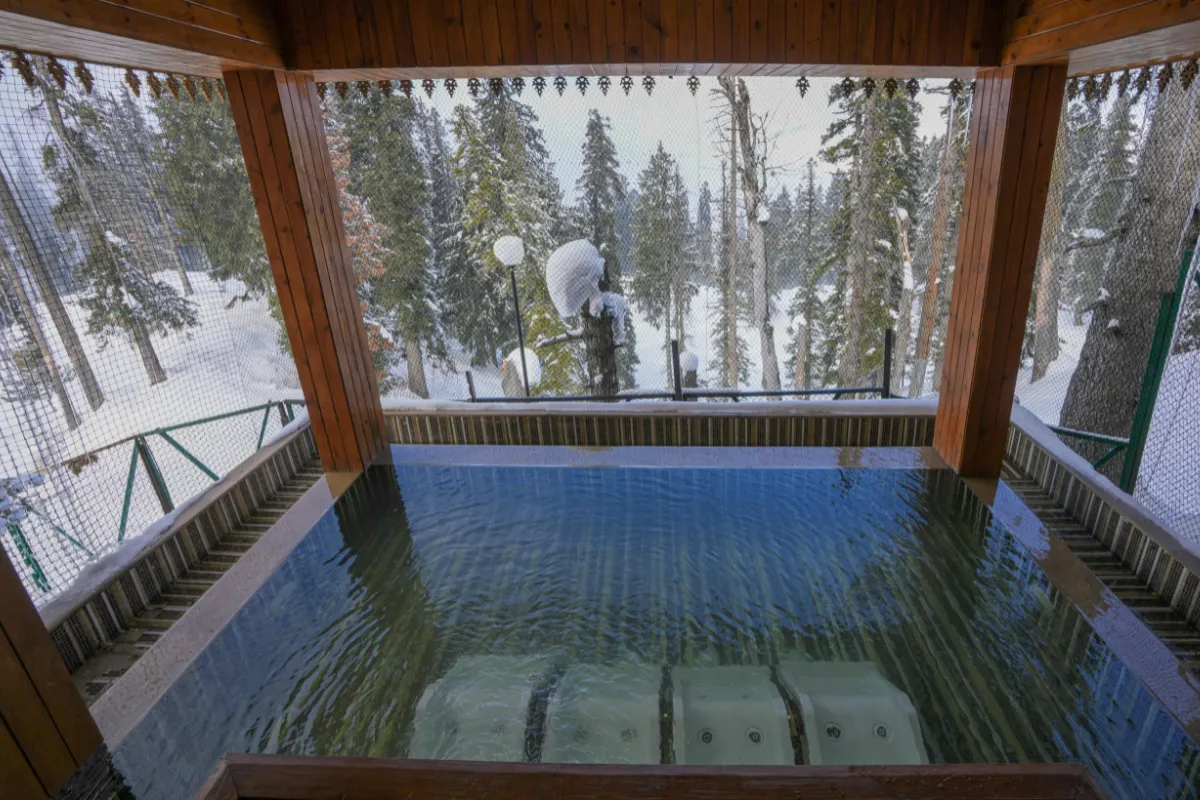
{"x": 350, "y": 39}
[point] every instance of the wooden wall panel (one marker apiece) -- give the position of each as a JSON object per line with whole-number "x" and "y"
{"x": 225, "y": 33}
{"x": 278, "y": 120}
{"x": 1012, "y": 137}
{"x": 441, "y": 38}
{"x": 46, "y": 732}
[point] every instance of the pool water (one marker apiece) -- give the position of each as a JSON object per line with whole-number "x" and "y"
{"x": 427, "y": 580}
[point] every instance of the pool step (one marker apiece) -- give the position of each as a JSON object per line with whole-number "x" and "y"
{"x": 162, "y": 612}
{"x": 1172, "y": 629}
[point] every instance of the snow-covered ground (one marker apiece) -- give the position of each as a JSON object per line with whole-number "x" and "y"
{"x": 230, "y": 361}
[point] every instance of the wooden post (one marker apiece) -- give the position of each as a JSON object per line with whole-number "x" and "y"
{"x": 278, "y": 119}
{"x": 1014, "y": 125}
{"x": 46, "y": 732}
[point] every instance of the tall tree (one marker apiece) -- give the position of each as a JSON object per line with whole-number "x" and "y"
{"x": 662, "y": 255}
{"x": 876, "y": 136}
{"x": 122, "y": 295}
{"x": 752, "y": 139}
{"x": 1143, "y": 264}
{"x": 17, "y": 227}
{"x": 601, "y": 189}
{"x": 208, "y": 194}
{"x": 367, "y": 239}
{"x": 509, "y": 188}
{"x": 47, "y": 372}
{"x": 386, "y": 168}
{"x": 805, "y": 302}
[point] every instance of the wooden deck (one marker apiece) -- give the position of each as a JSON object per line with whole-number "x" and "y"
{"x": 243, "y": 777}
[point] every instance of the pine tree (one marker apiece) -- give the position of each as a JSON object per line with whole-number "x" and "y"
{"x": 1143, "y": 265}
{"x": 805, "y": 302}
{"x": 367, "y": 239}
{"x": 208, "y": 194}
{"x": 601, "y": 189}
{"x": 16, "y": 225}
{"x": 876, "y": 136}
{"x": 704, "y": 236}
{"x": 509, "y": 189}
{"x": 733, "y": 352}
{"x": 663, "y": 254}
{"x": 122, "y": 294}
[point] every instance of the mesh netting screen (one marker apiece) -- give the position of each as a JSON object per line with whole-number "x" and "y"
{"x": 775, "y": 234}
{"x": 135, "y": 298}
{"x": 1115, "y": 304}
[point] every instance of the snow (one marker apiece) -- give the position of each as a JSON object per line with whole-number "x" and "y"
{"x": 1089, "y": 233}
{"x": 1045, "y": 397}
{"x": 230, "y": 361}
{"x": 1102, "y": 296}
{"x": 618, "y": 307}
{"x": 688, "y": 362}
{"x": 533, "y": 365}
{"x": 1114, "y": 324}
{"x": 573, "y": 275}
{"x": 764, "y": 214}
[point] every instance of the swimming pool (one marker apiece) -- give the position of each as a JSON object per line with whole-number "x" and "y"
{"x": 548, "y": 605}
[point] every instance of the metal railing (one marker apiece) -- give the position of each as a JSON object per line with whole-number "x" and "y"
{"x": 140, "y": 452}
{"x": 680, "y": 392}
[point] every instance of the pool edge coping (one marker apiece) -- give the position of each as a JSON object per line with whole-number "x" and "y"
{"x": 118, "y": 711}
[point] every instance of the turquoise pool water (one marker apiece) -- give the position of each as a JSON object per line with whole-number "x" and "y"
{"x": 422, "y": 570}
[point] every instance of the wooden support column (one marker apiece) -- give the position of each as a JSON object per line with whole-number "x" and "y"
{"x": 1014, "y": 124}
{"x": 46, "y": 731}
{"x": 278, "y": 119}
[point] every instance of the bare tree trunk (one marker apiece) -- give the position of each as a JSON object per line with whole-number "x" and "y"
{"x": 1049, "y": 269}
{"x": 14, "y": 223}
{"x": 751, "y": 138}
{"x": 154, "y": 370}
{"x": 172, "y": 244}
{"x": 1143, "y": 265}
{"x": 904, "y": 324}
{"x": 801, "y": 353}
{"x": 850, "y": 371}
{"x": 141, "y": 336}
{"x": 937, "y": 256}
{"x": 729, "y": 296}
{"x": 416, "y": 367}
{"x": 8, "y": 272}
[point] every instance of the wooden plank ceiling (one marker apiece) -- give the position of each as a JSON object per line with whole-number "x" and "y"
{"x": 438, "y": 38}
{"x": 1095, "y": 35}
{"x": 177, "y": 35}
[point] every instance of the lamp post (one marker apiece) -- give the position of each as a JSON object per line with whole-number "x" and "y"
{"x": 510, "y": 251}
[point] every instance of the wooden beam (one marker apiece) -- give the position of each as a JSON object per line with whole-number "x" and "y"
{"x": 239, "y": 33}
{"x": 1013, "y": 131}
{"x": 310, "y": 778}
{"x": 46, "y": 732}
{"x": 278, "y": 119}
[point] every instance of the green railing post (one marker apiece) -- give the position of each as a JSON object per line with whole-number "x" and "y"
{"x": 262, "y": 430}
{"x": 39, "y": 577}
{"x": 156, "y": 478}
{"x": 133, "y": 459}
{"x": 1160, "y": 351}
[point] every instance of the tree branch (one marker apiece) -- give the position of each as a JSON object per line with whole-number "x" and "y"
{"x": 562, "y": 338}
{"x": 1099, "y": 241}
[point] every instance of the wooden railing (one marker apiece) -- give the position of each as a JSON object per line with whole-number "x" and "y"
{"x": 242, "y": 777}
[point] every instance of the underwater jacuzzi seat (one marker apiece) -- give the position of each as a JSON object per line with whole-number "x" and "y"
{"x": 729, "y": 715}
{"x": 602, "y": 714}
{"x": 852, "y": 714}
{"x": 478, "y": 710}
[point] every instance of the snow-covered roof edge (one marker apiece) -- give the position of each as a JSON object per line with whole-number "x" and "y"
{"x": 101, "y": 573}
{"x": 920, "y": 407}
{"x": 1127, "y": 506}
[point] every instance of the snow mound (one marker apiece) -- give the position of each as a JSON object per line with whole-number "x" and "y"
{"x": 573, "y": 275}
{"x": 512, "y": 365}
{"x": 689, "y": 362}
{"x": 618, "y": 308}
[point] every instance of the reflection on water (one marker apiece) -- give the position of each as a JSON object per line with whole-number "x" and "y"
{"x": 422, "y": 568}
